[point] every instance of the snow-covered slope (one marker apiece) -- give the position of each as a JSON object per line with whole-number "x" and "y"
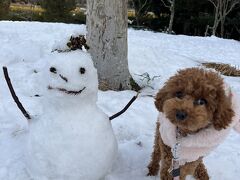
{"x": 24, "y": 44}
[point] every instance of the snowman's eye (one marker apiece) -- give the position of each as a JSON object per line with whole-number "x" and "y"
{"x": 53, "y": 70}
{"x": 82, "y": 70}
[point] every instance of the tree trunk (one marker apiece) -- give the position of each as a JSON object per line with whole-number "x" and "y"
{"x": 137, "y": 19}
{"x": 222, "y": 26}
{"x": 172, "y": 10}
{"x": 216, "y": 22}
{"x": 206, "y": 32}
{"x": 107, "y": 38}
{"x": 214, "y": 30}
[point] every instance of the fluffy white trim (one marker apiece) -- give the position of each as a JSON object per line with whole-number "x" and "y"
{"x": 236, "y": 107}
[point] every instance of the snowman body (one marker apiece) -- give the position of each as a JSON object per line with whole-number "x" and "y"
{"x": 73, "y": 139}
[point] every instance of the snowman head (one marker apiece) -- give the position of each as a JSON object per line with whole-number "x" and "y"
{"x": 70, "y": 75}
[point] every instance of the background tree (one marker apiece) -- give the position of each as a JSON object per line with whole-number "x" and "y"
{"x": 141, "y": 8}
{"x": 82, "y": 3}
{"x": 192, "y": 17}
{"x": 4, "y": 8}
{"x": 107, "y": 38}
{"x": 222, "y": 9}
{"x": 232, "y": 24}
{"x": 58, "y": 10}
{"x": 171, "y": 5}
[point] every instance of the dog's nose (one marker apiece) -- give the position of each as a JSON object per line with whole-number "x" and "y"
{"x": 181, "y": 115}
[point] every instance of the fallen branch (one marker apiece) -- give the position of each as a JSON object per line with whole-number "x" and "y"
{"x": 125, "y": 108}
{"x": 19, "y": 104}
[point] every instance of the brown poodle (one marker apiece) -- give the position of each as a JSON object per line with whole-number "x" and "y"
{"x": 198, "y": 103}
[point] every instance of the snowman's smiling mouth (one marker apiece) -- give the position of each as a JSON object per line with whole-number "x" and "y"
{"x": 70, "y": 92}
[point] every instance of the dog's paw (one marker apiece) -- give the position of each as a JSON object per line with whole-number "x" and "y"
{"x": 152, "y": 171}
{"x": 150, "y": 174}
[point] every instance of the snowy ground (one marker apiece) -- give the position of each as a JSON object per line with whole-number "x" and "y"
{"x": 23, "y": 44}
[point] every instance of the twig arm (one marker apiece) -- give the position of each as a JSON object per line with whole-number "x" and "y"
{"x": 125, "y": 108}
{"x": 19, "y": 104}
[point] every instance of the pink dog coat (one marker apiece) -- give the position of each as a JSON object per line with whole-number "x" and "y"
{"x": 192, "y": 147}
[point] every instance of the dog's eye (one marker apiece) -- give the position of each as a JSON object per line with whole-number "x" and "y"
{"x": 53, "y": 70}
{"x": 82, "y": 70}
{"x": 200, "y": 101}
{"x": 179, "y": 94}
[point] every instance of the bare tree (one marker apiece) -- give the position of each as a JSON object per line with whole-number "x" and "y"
{"x": 107, "y": 38}
{"x": 237, "y": 29}
{"x": 82, "y": 3}
{"x": 171, "y": 5}
{"x": 222, "y": 9}
{"x": 141, "y": 7}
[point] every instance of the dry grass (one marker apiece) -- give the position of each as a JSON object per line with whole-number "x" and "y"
{"x": 224, "y": 69}
{"x": 21, "y": 7}
{"x": 38, "y": 9}
{"x": 103, "y": 86}
{"x": 131, "y": 13}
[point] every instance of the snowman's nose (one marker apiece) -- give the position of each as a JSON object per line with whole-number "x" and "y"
{"x": 63, "y": 78}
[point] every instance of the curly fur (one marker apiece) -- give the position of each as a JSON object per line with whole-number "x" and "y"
{"x": 216, "y": 112}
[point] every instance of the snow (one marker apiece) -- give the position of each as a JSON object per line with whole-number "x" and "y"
{"x": 25, "y": 44}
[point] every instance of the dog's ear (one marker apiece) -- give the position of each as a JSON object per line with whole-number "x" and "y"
{"x": 224, "y": 113}
{"x": 160, "y": 98}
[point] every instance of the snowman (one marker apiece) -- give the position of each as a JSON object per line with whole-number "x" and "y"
{"x": 72, "y": 139}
